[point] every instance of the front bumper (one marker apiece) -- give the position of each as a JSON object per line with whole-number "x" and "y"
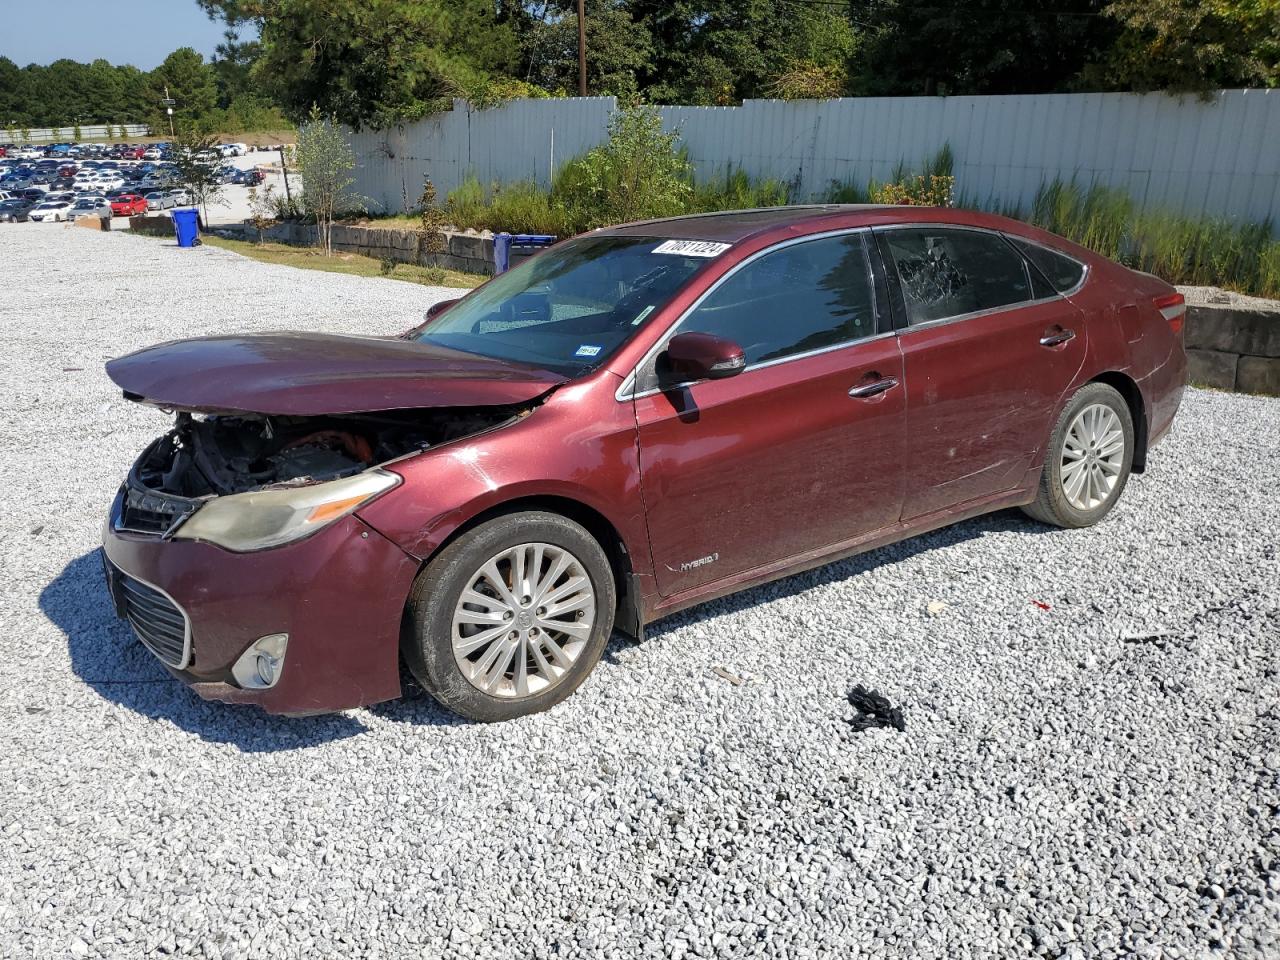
{"x": 338, "y": 595}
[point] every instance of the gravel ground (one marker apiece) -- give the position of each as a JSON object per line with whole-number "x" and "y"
{"x": 1090, "y": 764}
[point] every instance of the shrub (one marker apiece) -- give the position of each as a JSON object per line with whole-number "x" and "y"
{"x": 917, "y": 191}
{"x": 806, "y": 80}
{"x": 637, "y": 174}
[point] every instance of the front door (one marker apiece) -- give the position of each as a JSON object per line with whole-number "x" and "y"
{"x": 801, "y": 450}
{"x": 988, "y": 351}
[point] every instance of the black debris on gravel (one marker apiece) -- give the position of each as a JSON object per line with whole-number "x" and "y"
{"x": 872, "y": 709}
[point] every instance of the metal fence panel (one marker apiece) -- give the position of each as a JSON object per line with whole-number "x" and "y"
{"x": 1218, "y": 156}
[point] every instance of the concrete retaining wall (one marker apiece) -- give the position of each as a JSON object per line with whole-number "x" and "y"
{"x": 1234, "y": 348}
{"x": 468, "y": 252}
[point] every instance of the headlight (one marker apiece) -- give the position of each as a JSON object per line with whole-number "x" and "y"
{"x": 268, "y": 518}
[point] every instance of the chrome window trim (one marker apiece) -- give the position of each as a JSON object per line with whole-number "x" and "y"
{"x": 956, "y": 318}
{"x": 626, "y": 392}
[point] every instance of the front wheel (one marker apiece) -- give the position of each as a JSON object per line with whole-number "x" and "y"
{"x": 1089, "y": 459}
{"x": 510, "y": 618}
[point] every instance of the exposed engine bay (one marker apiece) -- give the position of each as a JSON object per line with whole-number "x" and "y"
{"x": 215, "y": 455}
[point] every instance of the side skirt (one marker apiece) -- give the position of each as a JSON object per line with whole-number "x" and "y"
{"x": 839, "y": 551}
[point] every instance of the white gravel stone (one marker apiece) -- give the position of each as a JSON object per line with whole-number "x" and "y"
{"x": 1095, "y": 779}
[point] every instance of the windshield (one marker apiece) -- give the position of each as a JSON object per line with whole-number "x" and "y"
{"x": 570, "y": 308}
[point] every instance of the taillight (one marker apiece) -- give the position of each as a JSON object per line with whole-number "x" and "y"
{"x": 1173, "y": 308}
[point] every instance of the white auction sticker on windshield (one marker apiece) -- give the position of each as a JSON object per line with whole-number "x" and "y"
{"x": 691, "y": 248}
{"x": 588, "y": 350}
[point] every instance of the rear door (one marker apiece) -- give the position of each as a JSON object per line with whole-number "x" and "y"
{"x": 799, "y": 451}
{"x": 989, "y": 348}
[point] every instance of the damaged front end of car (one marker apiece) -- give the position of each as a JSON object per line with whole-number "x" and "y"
{"x": 250, "y": 482}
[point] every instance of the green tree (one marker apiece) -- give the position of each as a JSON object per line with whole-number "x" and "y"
{"x": 976, "y": 46}
{"x": 324, "y": 160}
{"x": 190, "y": 82}
{"x": 197, "y": 161}
{"x": 725, "y": 51}
{"x": 1185, "y": 45}
{"x": 619, "y": 49}
{"x": 379, "y": 62}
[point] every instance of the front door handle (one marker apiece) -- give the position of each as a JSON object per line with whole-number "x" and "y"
{"x": 873, "y": 389}
{"x": 1057, "y": 338}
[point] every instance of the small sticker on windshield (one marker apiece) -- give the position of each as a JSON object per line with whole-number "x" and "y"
{"x": 641, "y": 315}
{"x": 691, "y": 248}
{"x": 588, "y": 350}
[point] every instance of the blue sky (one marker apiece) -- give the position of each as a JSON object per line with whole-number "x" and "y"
{"x": 140, "y": 32}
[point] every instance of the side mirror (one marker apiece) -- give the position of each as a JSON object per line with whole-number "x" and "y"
{"x": 702, "y": 356}
{"x": 436, "y": 309}
{"x": 433, "y": 311}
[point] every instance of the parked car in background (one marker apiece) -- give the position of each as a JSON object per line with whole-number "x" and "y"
{"x": 681, "y": 409}
{"x": 181, "y": 197}
{"x": 89, "y": 207}
{"x": 159, "y": 200}
{"x": 50, "y": 211}
{"x": 253, "y": 177}
{"x": 128, "y": 205}
{"x": 15, "y": 211}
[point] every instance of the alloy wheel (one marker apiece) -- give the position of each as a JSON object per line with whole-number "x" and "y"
{"x": 523, "y": 620}
{"x": 1092, "y": 457}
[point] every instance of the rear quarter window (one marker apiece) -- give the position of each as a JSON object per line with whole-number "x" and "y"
{"x": 1062, "y": 272}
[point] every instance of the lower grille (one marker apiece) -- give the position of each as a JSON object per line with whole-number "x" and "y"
{"x": 159, "y": 623}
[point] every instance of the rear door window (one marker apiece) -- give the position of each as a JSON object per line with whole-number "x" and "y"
{"x": 946, "y": 272}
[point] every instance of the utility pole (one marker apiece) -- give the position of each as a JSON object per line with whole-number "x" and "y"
{"x": 284, "y": 168}
{"x": 582, "y": 48}
{"x": 168, "y": 106}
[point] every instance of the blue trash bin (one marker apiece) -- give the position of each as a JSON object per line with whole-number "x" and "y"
{"x": 186, "y": 224}
{"x": 505, "y": 244}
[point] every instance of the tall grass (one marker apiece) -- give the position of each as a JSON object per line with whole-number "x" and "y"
{"x": 738, "y": 191}
{"x": 1209, "y": 252}
{"x": 1203, "y": 252}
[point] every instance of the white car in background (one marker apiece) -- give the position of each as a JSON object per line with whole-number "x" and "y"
{"x": 181, "y": 197}
{"x": 90, "y": 207}
{"x": 159, "y": 200}
{"x": 50, "y": 211}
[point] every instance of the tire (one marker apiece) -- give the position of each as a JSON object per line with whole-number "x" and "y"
{"x": 1086, "y": 434}
{"x": 555, "y": 662}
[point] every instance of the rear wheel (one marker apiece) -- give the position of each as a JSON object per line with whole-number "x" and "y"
{"x": 510, "y": 618}
{"x": 1089, "y": 459}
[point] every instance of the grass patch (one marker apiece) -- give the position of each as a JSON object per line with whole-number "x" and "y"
{"x": 309, "y": 258}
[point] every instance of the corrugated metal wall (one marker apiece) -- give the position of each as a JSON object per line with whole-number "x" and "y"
{"x": 88, "y": 131}
{"x": 1219, "y": 157}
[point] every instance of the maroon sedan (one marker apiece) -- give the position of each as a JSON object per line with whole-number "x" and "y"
{"x": 637, "y": 420}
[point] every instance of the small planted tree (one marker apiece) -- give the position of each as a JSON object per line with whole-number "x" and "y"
{"x": 198, "y": 162}
{"x": 431, "y": 237}
{"x": 324, "y": 160}
{"x": 76, "y": 135}
{"x": 262, "y": 209}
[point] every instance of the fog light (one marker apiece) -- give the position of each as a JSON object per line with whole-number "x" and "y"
{"x": 262, "y": 663}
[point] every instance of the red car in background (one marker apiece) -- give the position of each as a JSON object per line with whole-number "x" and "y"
{"x": 128, "y": 205}
{"x": 635, "y": 421}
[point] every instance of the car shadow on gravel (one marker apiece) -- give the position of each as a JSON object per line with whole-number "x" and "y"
{"x": 109, "y": 659}
{"x": 1002, "y": 521}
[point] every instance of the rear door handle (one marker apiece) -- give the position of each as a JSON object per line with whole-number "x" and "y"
{"x": 1057, "y": 339}
{"x": 873, "y": 389}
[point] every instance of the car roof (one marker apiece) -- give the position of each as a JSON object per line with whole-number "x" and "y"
{"x": 735, "y": 226}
